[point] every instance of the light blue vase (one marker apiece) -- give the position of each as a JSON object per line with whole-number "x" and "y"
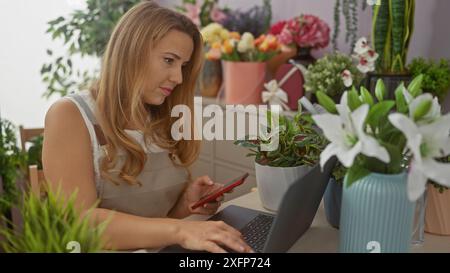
{"x": 376, "y": 215}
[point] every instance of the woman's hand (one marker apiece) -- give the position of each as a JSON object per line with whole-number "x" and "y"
{"x": 199, "y": 188}
{"x": 211, "y": 236}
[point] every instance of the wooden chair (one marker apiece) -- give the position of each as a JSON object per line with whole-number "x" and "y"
{"x": 37, "y": 180}
{"x": 27, "y": 134}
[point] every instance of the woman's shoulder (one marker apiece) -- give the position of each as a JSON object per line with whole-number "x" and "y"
{"x": 66, "y": 109}
{"x": 63, "y": 109}
{"x": 64, "y": 117}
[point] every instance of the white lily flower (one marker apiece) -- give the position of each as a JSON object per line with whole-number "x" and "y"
{"x": 434, "y": 112}
{"x": 426, "y": 143}
{"x": 347, "y": 136}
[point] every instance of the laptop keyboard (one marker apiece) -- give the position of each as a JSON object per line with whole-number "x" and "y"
{"x": 255, "y": 233}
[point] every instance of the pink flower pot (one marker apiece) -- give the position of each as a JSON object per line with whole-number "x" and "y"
{"x": 244, "y": 82}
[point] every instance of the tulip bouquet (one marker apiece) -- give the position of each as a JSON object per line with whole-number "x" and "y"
{"x": 373, "y": 134}
{"x": 232, "y": 46}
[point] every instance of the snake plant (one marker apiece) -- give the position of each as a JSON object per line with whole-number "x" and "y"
{"x": 393, "y": 25}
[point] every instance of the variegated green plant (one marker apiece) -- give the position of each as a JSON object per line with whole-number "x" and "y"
{"x": 392, "y": 29}
{"x": 51, "y": 225}
{"x": 299, "y": 143}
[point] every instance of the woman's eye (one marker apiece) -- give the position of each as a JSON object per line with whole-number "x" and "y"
{"x": 168, "y": 60}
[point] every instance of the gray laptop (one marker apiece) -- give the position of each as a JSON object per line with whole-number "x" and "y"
{"x": 269, "y": 233}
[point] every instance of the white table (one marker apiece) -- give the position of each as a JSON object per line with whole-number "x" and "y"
{"x": 321, "y": 237}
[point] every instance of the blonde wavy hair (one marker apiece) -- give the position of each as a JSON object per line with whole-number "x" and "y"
{"x": 119, "y": 90}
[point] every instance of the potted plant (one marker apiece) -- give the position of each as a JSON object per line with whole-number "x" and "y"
{"x": 298, "y": 36}
{"x": 298, "y": 150}
{"x": 12, "y": 161}
{"x": 369, "y": 137}
{"x": 52, "y": 225}
{"x": 392, "y": 30}
{"x": 34, "y": 152}
{"x": 436, "y": 76}
{"x": 244, "y": 60}
{"x": 437, "y": 217}
{"x": 303, "y": 33}
{"x": 332, "y": 198}
{"x": 329, "y": 75}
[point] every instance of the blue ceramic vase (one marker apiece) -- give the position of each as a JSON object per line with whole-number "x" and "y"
{"x": 376, "y": 215}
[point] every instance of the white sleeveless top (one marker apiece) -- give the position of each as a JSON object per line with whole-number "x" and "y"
{"x": 162, "y": 181}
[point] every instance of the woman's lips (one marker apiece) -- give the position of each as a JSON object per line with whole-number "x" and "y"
{"x": 166, "y": 91}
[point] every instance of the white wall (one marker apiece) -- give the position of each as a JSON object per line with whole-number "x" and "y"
{"x": 23, "y": 43}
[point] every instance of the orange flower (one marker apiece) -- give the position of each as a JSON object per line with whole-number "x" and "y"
{"x": 227, "y": 47}
{"x": 272, "y": 42}
{"x": 216, "y": 45}
{"x": 235, "y": 35}
{"x": 260, "y": 39}
{"x": 213, "y": 54}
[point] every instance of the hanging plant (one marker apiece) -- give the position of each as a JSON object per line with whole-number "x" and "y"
{"x": 349, "y": 8}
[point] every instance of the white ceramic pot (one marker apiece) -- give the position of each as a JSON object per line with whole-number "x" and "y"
{"x": 273, "y": 183}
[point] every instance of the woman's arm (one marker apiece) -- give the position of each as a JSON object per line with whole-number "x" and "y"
{"x": 67, "y": 161}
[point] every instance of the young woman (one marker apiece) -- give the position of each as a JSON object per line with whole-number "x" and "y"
{"x": 113, "y": 144}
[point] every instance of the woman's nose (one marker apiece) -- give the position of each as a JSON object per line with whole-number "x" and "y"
{"x": 177, "y": 76}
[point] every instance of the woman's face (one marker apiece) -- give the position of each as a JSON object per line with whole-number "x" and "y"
{"x": 167, "y": 59}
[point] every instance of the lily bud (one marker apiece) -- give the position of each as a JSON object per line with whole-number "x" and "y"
{"x": 422, "y": 109}
{"x": 380, "y": 90}
{"x": 366, "y": 97}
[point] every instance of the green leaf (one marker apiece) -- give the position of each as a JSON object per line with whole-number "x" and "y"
{"x": 415, "y": 87}
{"x": 355, "y": 173}
{"x": 326, "y": 102}
{"x": 366, "y": 96}
{"x": 380, "y": 90}
{"x": 379, "y": 111}
{"x": 353, "y": 99}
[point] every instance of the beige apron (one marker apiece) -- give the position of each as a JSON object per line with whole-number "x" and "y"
{"x": 161, "y": 181}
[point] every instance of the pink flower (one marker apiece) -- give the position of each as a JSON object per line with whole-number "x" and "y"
{"x": 285, "y": 37}
{"x": 217, "y": 15}
{"x": 305, "y": 31}
{"x": 313, "y": 32}
{"x": 193, "y": 12}
{"x": 277, "y": 28}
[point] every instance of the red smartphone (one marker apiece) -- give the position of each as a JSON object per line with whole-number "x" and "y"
{"x": 226, "y": 188}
